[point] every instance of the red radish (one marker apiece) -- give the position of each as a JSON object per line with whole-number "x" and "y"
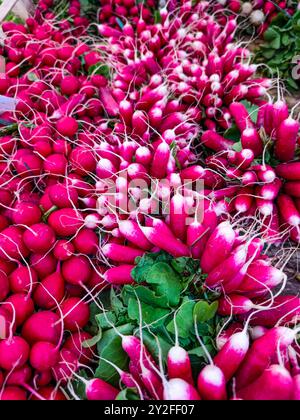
{"x": 20, "y": 305}
{"x": 224, "y": 335}
{"x": 43, "y": 264}
{"x": 42, "y": 326}
{"x": 75, "y": 344}
{"x": 214, "y": 141}
{"x": 211, "y": 383}
{"x": 4, "y": 286}
{"x": 121, "y": 253}
{"x": 292, "y": 188}
{"x": 63, "y": 250}
{"x": 275, "y": 383}
{"x": 288, "y": 210}
{"x": 179, "y": 364}
{"x": 119, "y": 275}
{"x": 285, "y": 309}
{"x": 241, "y": 116}
{"x": 161, "y": 236}
{"x": 160, "y": 161}
{"x": 178, "y": 216}
{"x": 43, "y": 356}
{"x": 260, "y": 353}
{"x": 86, "y": 241}
{"x": 97, "y": 389}
{"x": 39, "y": 238}
{"x": 250, "y": 139}
{"x": 289, "y": 171}
{"x": 19, "y": 376}
{"x": 234, "y": 305}
{"x": 76, "y": 270}
{"x": 50, "y": 291}
{"x": 286, "y": 139}
{"x": 50, "y": 393}
{"x": 196, "y": 238}
{"x": 76, "y": 313}
{"x": 230, "y": 357}
{"x": 63, "y": 196}
{"x": 65, "y": 222}
{"x": 296, "y": 388}
{"x": 228, "y": 268}
{"x": 13, "y": 393}
{"x": 178, "y": 389}
{"x": 26, "y": 214}
{"x": 67, "y": 126}
{"x": 261, "y": 276}
{"x": 23, "y": 279}
{"x": 14, "y": 352}
{"x": 69, "y": 85}
{"x": 218, "y": 247}
{"x": 132, "y": 232}
{"x": 11, "y": 244}
{"x": 66, "y": 367}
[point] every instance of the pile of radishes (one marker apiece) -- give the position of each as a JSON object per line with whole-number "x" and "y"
{"x": 143, "y": 105}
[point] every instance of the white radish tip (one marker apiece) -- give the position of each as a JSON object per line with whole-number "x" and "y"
{"x": 239, "y": 341}
{"x": 212, "y": 374}
{"x": 294, "y": 220}
{"x": 177, "y": 354}
{"x": 269, "y": 176}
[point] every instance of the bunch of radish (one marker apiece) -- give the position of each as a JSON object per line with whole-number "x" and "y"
{"x": 258, "y": 13}
{"x": 256, "y": 189}
{"x": 117, "y": 12}
{"x": 204, "y": 77}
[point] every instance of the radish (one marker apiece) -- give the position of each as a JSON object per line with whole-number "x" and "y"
{"x": 23, "y": 279}
{"x": 97, "y": 389}
{"x": 19, "y": 376}
{"x": 49, "y": 291}
{"x": 121, "y": 253}
{"x": 292, "y": 188}
{"x": 260, "y": 353}
{"x": 67, "y": 126}
{"x": 76, "y": 270}
{"x": 14, "y": 352}
{"x": 39, "y": 238}
{"x": 275, "y": 383}
{"x": 289, "y": 171}
{"x": 119, "y": 275}
{"x": 288, "y": 210}
{"x": 234, "y": 305}
{"x": 63, "y": 249}
{"x": 4, "y": 286}
{"x": 42, "y": 326}
{"x": 13, "y": 393}
{"x": 44, "y": 264}
{"x": 285, "y": 144}
{"x": 296, "y": 388}
{"x": 11, "y": 244}
{"x": 250, "y": 139}
{"x": 26, "y": 214}
{"x": 67, "y": 365}
{"x": 178, "y": 389}
{"x": 132, "y": 232}
{"x": 211, "y": 383}
{"x": 21, "y": 306}
{"x": 43, "y": 356}
{"x": 65, "y": 222}
{"x": 232, "y": 354}
{"x": 49, "y": 393}
{"x": 76, "y": 313}
{"x": 214, "y": 141}
{"x": 218, "y": 247}
{"x": 261, "y": 276}
{"x": 75, "y": 344}
{"x": 179, "y": 364}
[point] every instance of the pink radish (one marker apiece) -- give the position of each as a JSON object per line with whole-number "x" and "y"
{"x": 75, "y": 312}
{"x": 65, "y": 222}
{"x": 14, "y": 352}
{"x": 50, "y": 291}
{"x": 288, "y": 210}
{"x": 260, "y": 275}
{"x": 97, "y": 389}
{"x": 275, "y": 383}
{"x": 250, "y": 139}
{"x": 132, "y": 232}
{"x": 211, "y": 383}
{"x": 262, "y": 350}
{"x": 296, "y": 388}
{"x": 179, "y": 365}
{"x": 121, "y": 253}
{"x": 178, "y": 389}
{"x": 42, "y": 326}
{"x": 289, "y": 171}
{"x": 76, "y": 270}
{"x": 234, "y": 305}
{"x": 216, "y": 142}
{"x": 43, "y": 356}
{"x": 232, "y": 354}
{"x": 119, "y": 275}
{"x": 218, "y": 247}
{"x": 285, "y": 144}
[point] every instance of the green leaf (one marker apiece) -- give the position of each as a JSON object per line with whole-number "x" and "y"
{"x": 106, "y": 320}
{"x": 184, "y": 319}
{"x": 149, "y": 315}
{"x": 203, "y": 311}
{"x": 270, "y": 34}
{"x": 166, "y": 282}
{"x": 233, "y": 133}
{"x": 238, "y": 147}
{"x": 144, "y": 294}
{"x": 157, "y": 17}
{"x": 32, "y": 77}
{"x": 286, "y": 40}
{"x": 110, "y": 348}
{"x": 252, "y": 109}
{"x": 128, "y": 394}
{"x": 100, "y": 68}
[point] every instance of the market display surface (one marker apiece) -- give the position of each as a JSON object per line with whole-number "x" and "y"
{"x": 150, "y": 201}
